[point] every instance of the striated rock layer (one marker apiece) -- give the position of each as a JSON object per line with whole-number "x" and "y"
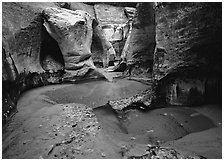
{"x": 187, "y": 61}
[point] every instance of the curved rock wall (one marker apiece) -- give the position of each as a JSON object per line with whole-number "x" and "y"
{"x": 187, "y": 60}
{"x": 73, "y": 32}
{"x": 32, "y": 57}
{"x": 140, "y": 44}
{"x": 188, "y": 53}
{"x": 21, "y": 38}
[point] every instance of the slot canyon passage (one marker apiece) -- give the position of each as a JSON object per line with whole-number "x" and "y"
{"x": 111, "y": 80}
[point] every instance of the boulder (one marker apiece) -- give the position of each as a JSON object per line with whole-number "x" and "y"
{"x": 142, "y": 101}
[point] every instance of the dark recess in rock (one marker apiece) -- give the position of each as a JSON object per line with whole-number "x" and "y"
{"x": 51, "y": 57}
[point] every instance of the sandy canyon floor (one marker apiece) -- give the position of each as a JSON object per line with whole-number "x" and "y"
{"x": 73, "y": 121}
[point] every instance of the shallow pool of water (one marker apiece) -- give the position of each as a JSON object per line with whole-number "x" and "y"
{"x": 96, "y": 93}
{"x": 32, "y": 131}
{"x": 159, "y": 125}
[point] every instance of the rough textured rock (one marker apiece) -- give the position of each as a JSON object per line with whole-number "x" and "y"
{"x": 142, "y": 100}
{"x": 107, "y": 48}
{"x": 110, "y": 14}
{"x": 100, "y": 43}
{"x": 21, "y": 36}
{"x": 73, "y": 32}
{"x": 140, "y": 44}
{"x": 32, "y": 57}
{"x": 182, "y": 91}
{"x": 113, "y": 24}
{"x": 187, "y": 61}
{"x": 157, "y": 152}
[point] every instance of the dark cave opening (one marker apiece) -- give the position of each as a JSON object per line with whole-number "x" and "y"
{"x": 50, "y": 53}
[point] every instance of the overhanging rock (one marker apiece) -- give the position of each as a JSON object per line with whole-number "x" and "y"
{"x": 73, "y": 32}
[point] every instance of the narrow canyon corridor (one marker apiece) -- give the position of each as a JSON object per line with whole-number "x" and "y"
{"x": 111, "y": 80}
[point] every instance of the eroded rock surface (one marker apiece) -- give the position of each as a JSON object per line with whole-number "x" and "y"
{"x": 21, "y": 36}
{"x": 73, "y": 31}
{"x": 139, "y": 47}
{"x": 33, "y": 57}
{"x": 185, "y": 70}
{"x": 113, "y": 24}
{"x": 188, "y": 55}
{"x": 107, "y": 48}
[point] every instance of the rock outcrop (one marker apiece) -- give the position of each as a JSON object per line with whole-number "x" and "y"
{"x": 102, "y": 47}
{"x": 105, "y": 46}
{"x": 21, "y": 43}
{"x": 35, "y": 53}
{"x": 139, "y": 47}
{"x": 187, "y": 59}
{"x": 73, "y": 32}
{"x": 113, "y": 28}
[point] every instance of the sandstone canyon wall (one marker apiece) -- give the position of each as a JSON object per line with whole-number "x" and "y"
{"x": 176, "y": 45}
{"x": 40, "y": 46}
{"x": 187, "y": 61}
